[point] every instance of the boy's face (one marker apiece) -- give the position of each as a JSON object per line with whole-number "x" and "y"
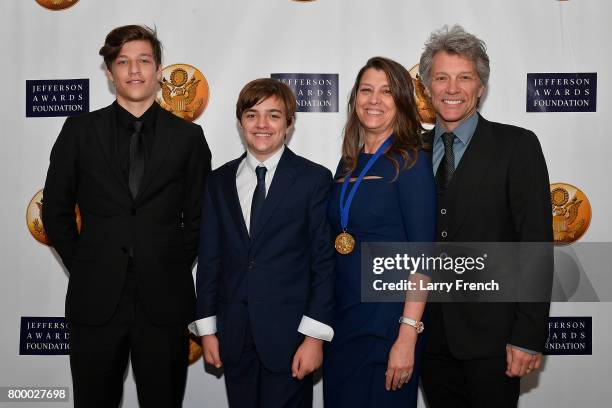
{"x": 264, "y": 127}
{"x": 135, "y": 73}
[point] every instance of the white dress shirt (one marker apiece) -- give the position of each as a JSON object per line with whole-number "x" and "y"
{"x": 246, "y": 181}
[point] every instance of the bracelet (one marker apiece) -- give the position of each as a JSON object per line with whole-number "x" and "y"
{"x": 418, "y": 326}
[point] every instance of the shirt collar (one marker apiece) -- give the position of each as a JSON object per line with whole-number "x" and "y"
{"x": 270, "y": 164}
{"x": 148, "y": 119}
{"x": 464, "y": 131}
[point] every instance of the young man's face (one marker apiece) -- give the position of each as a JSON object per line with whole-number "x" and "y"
{"x": 264, "y": 127}
{"x": 455, "y": 88}
{"x": 135, "y": 73}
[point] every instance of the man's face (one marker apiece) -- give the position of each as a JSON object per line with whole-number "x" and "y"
{"x": 135, "y": 73}
{"x": 455, "y": 88}
{"x": 264, "y": 127}
{"x": 374, "y": 104}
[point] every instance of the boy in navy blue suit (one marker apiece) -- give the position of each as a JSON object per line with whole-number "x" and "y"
{"x": 265, "y": 269}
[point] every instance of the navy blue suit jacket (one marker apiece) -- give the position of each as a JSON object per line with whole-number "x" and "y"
{"x": 283, "y": 271}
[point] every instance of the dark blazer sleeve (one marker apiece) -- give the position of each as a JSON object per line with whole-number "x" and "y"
{"x": 60, "y": 193}
{"x": 417, "y": 192}
{"x": 198, "y": 169}
{"x": 529, "y": 195}
{"x": 322, "y": 265}
{"x": 209, "y": 258}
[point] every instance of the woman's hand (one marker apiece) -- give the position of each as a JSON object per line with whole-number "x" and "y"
{"x": 401, "y": 358}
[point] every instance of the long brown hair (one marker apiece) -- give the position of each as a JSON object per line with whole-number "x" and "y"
{"x": 406, "y": 125}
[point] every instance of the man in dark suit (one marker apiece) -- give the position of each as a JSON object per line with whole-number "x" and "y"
{"x": 492, "y": 187}
{"x": 265, "y": 267}
{"x": 137, "y": 174}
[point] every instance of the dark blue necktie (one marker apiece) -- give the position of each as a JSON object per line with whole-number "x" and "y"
{"x": 259, "y": 196}
{"x": 137, "y": 159}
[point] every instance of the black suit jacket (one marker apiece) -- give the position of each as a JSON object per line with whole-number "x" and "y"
{"x": 283, "y": 271}
{"x": 160, "y": 226}
{"x": 500, "y": 192}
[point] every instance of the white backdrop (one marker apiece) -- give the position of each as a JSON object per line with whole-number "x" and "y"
{"x": 234, "y": 41}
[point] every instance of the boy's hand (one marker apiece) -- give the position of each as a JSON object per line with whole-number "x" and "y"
{"x": 307, "y": 358}
{"x": 210, "y": 349}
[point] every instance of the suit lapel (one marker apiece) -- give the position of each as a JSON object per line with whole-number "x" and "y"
{"x": 105, "y": 127}
{"x": 283, "y": 179}
{"x": 163, "y": 144}
{"x": 230, "y": 193}
{"x": 474, "y": 165}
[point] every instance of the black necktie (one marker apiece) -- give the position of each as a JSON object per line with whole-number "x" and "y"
{"x": 137, "y": 159}
{"x": 259, "y": 196}
{"x": 446, "y": 169}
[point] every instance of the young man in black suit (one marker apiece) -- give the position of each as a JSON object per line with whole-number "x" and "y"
{"x": 137, "y": 174}
{"x": 492, "y": 187}
{"x": 266, "y": 262}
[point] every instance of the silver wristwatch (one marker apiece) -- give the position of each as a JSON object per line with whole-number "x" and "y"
{"x": 418, "y": 326}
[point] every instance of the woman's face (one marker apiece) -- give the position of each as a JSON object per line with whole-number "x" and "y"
{"x": 374, "y": 104}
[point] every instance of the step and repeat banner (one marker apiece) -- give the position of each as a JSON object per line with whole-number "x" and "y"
{"x": 550, "y": 72}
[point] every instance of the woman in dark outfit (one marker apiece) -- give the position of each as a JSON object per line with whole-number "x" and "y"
{"x": 384, "y": 191}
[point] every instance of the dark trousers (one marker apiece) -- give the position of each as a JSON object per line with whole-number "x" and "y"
{"x": 99, "y": 357}
{"x": 250, "y": 385}
{"x": 467, "y": 383}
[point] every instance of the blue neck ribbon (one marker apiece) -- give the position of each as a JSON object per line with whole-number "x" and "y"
{"x": 344, "y": 209}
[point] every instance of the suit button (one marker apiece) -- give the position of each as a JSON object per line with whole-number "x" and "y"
{"x": 124, "y": 249}
{"x": 245, "y": 303}
{"x": 444, "y": 234}
{"x": 133, "y": 211}
{"x": 443, "y": 211}
{"x": 251, "y": 264}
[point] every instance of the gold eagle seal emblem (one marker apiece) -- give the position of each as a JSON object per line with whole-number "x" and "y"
{"x": 34, "y": 218}
{"x": 56, "y": 4}
{"x": 195, "y": 349}
{"x": 183, "y": 91}
{"x": 427, "y": 114}
{"x": 571, "y": 213}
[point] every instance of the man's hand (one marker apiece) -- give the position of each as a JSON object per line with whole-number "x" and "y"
{"x": 307, "y": 358}
{"x": 520, "y": 362}
{"x": 401, "y": 359}
{"x": 210, "y": 349}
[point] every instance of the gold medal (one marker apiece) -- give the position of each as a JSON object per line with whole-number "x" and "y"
{"x": 345, "y": 243}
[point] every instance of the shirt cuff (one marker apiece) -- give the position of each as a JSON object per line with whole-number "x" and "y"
{"x": 524, "y": 349}
{"x": 204, "y": 327}
{"x": 314, "y": 328}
